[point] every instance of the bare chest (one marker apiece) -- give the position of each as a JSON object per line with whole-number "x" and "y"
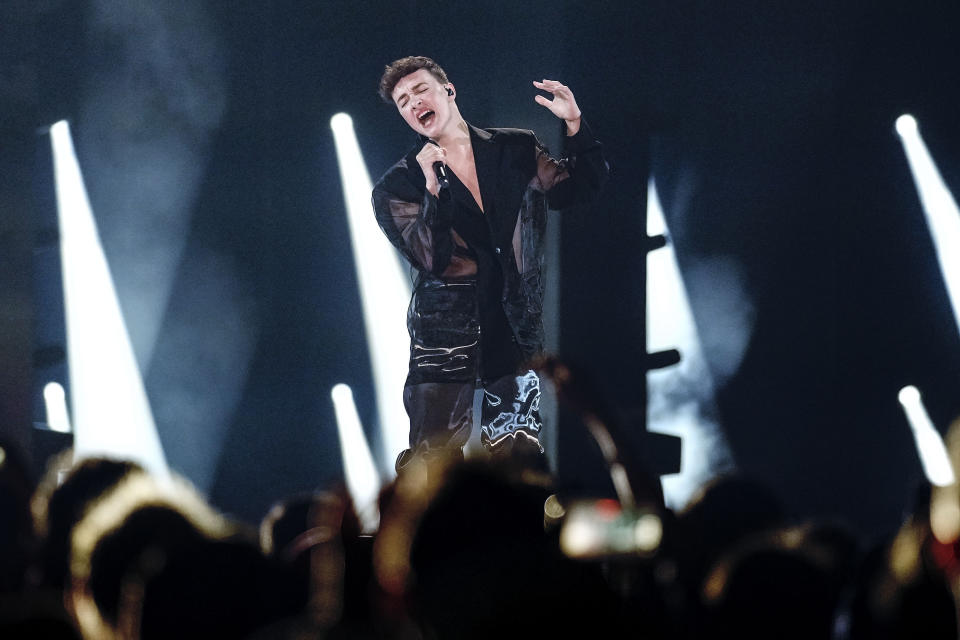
{"x": 466, "y": 169}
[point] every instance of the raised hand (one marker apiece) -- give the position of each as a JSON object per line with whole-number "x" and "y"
{"x": 563, "y": 105}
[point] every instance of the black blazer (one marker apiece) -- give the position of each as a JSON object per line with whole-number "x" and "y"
{"x": 519, "y": 181}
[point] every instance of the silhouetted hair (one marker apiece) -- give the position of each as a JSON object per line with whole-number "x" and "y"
{"x": 131, "y": 528}
{"x": 781, "y": 584}
{"x": 211, "y": 589}
{"x": 57, "y": 508}
{"x": 396, "y": 70}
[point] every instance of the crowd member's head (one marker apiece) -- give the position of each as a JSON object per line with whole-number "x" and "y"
{"x": 482, "y": 565}
{"x": 16, "y": 534}
{"x": 61, "y": 500}
{"x": 723, "y": 512}
{"x": 305, "y": 534}
{"x": 289, "y": 528}
{"x": 784, "y": 584}
{"x": 902, "y": 592}
{"x": 211, "y": 589}
{"x": 132, "y": 530}
{"x": 319, "y": 536}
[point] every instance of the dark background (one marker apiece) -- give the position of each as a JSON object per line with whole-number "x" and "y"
{"x": 202, "y": 129}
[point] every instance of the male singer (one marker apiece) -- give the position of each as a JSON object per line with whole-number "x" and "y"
{"x": 468, "y": 208}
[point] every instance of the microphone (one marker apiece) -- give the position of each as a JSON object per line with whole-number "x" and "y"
{"x": 441, "y": 171}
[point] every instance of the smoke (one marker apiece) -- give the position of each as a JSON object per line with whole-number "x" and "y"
{"x": 682, "y": 398}
{"x": 153, "y": 95}
{"x": 717, "y": 290}
{"x": 682, "y": 403}
{"x": 201, "y": 363}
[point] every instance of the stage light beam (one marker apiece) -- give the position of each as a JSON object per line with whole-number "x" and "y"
{"x": 55, "y": 403}
{"x": 111, "y": 413}
{"x": 939, "y": 207}
{"x": 384, "y": 293}
{"x": 930, "y": 447}
{"x": 360, "y": 471}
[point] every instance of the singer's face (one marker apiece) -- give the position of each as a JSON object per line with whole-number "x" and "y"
{"x": 423, "y": 102}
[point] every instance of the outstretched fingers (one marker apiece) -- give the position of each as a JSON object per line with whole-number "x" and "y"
{"x": 563, "y": 105}
{"x": 543, "y": 100}
{"x": 549, "y": 85}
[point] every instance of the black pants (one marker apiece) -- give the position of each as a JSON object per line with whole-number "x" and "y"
{"x": 441, "y": 416}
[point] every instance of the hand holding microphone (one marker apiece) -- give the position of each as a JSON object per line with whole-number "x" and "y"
{"x": 440, "y": 167}
{"x": 432, "y": 159}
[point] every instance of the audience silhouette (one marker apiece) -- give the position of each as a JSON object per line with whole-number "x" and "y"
{"x": 99, "y": 548}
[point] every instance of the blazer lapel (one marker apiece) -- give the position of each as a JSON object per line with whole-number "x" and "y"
{"x": 497, "y": 202}
{"x": 486, "y": 155}
{"x": 461, "y": 194}
{"x": 501, "y": 186}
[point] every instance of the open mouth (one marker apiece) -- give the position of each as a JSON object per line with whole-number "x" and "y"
{"x": 426, "y": 118}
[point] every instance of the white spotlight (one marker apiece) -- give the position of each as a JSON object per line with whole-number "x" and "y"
{"x": 55, "y": 402}
{"x": 342, "y": 123}
{"x": 930, "y": 446}
{"x": 363, "y": 482}
{"x": 111, "y": 413}
{"x": 943, "y": 216}
{"x": 680, "y": 396}
{"x": 906, "y": 125}
{"x": 384, "y": 293}
{"x": 909, "y": 396}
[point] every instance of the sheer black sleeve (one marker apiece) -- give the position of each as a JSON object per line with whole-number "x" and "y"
{"x": 415, "y": 221}
{"x": 579, "y": 175}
